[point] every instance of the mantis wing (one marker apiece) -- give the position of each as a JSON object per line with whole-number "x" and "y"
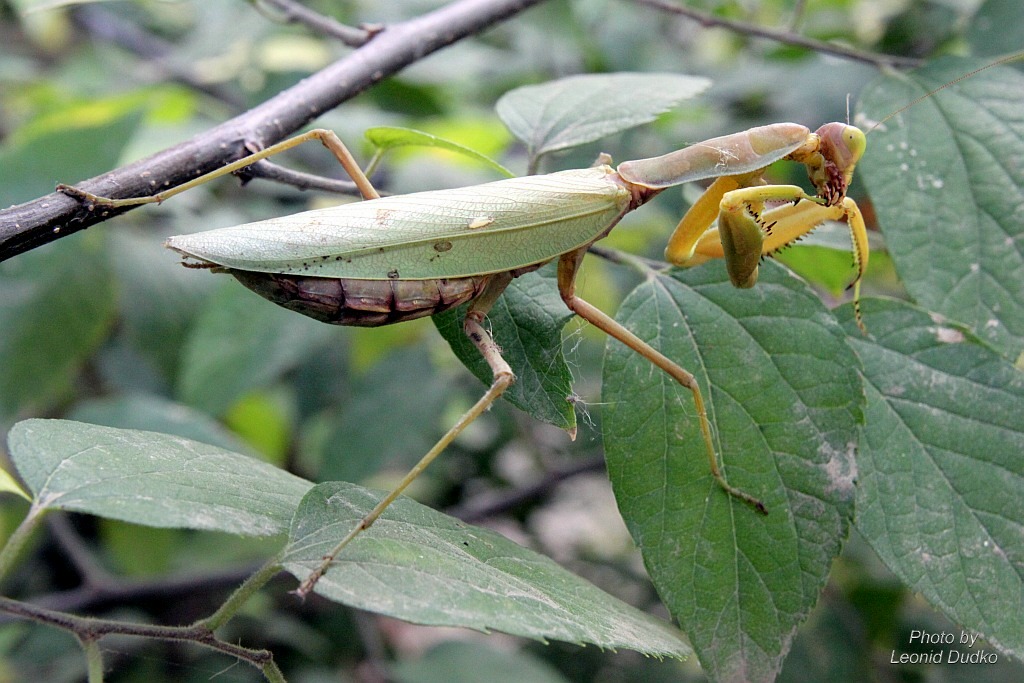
{"x": 476, "y": 230}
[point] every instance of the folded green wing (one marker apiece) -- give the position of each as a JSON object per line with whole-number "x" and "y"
{"x": 475, "y": 230}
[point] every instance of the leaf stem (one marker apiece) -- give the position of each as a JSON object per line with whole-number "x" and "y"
{"x": 16, "y": 542}
{"x": 93, "y": 658}
{"x": 240, "y": 596}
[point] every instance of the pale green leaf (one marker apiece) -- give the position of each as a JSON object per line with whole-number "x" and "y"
{"x": 422, "y": 566}
{"x": 579, "y": 109}
{"x": 784, "y": 397}
{"x": 389, "y": 137}
{"x": 151, "y": 479}
{"x": 941, "y": 473}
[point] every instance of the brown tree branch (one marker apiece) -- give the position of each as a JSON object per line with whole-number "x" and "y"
{"x": 781, "y": 36}
{"x": 44, "y": 220}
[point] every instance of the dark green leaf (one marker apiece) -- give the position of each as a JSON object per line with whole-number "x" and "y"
{"x": 784, "y": 397}
{"x": 526, "y": 323}
{"x": 941, "y": 474}
{"x": 948, "y": 189}
{"x": 151, "y": 479}
{"x": 422, "y": 566}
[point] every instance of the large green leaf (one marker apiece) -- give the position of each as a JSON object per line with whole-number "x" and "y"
{"x": 947, "y": 184}
{"x": 526, "y": 322}
{"x": 151, "y": 479}
{"x": 579, "y": 109}
{"x": 941, "y": 474}
{"x": 784, "y": 396}
{"x": 422, "y": 566}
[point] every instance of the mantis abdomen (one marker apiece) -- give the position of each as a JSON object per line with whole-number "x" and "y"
{"x": 362, "y": 303}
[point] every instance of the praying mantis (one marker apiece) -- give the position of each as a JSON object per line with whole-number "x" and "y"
{"x": 389, "y": 259}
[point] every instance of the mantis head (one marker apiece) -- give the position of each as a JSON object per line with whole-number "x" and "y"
{"x": 841, "y": 146}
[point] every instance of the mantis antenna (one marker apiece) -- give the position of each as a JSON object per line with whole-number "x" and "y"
{"x": 1003, "y": 60}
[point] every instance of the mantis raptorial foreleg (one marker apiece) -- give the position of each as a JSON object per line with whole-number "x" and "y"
{"x": 750, "y": 226}
{"x": 568, "y": 266}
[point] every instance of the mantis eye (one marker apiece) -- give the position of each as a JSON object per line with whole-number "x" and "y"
{"x": 843, "y": 144}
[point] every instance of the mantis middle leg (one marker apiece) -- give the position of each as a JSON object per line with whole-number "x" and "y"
{"x": 568, "y": 265}
{"x": 328, "y": 138}
{"x": 502, "y": 379}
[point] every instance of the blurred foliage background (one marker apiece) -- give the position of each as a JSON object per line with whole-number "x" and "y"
{"x": 106, "y": 327}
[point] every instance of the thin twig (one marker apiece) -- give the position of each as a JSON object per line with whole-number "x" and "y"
{"x": 126, "y": 591}
{"x": 112, "y": 27}
{"x": 782, "y": 36}
{"x": 293, "y": 12}
{"x": 91, "y": 628}
{"x": 303, "y": 181}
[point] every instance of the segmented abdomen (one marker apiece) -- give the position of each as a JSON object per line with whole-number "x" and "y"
{"x": 363, "y": 303}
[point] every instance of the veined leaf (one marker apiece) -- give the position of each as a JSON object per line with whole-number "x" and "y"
{"x": 151, "y": 479}
{"x": 389, "y": 137}
{"x": 941, "y": 474}
{"x": 783, "y": 394}
{"x": 526, "y": 323}
{"x": 579, "y": 109}
{"x": 947, "y": 184}
{"x": 422, "y": 566}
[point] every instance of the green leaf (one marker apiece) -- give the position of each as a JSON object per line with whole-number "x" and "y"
{"x": 422, "y": 566}
{"x": 157, "y": 414}
{"x": 526, "y": 322}
{"x": 783, "y": 394}
{"x": 579, "y": 109}
{"x": 389, "y": 137}
{"x": 57, "y": 305}
{"x": 151, "y": 479}
{"x": 941, "y": 475}
{"x": 240, "y": 343}
{"x": 949, "y": 193}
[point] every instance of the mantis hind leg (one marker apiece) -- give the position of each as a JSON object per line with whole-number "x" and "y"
{"x": 567, "y": 267}
{"x": 328, "y": 138}
{"x": 502, "y": 379}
